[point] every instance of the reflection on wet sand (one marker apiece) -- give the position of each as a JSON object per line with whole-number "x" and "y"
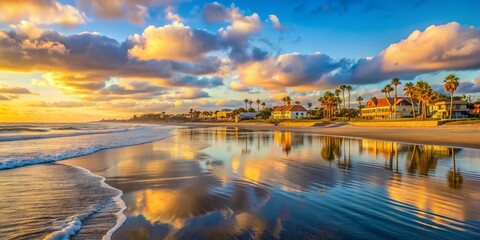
{"x": 223, "y": 183}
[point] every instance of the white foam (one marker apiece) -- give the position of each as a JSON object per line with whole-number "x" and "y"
{"x": 18, "y": 137}
{"x": 14, "y": 154}
{"x": 73, "y": 224}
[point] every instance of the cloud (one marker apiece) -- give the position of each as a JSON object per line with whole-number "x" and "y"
{"x": 82, "y": 63}
{"x": 235, "y": 36}
{"x": 60, "y": 104}
{"x": 4, "y": 98}
{"x": 469, "y": 87}
{"x": 192, "y": 81}
{"x": 41, "y": 12}
{"x": 135, "y": 11}
{"x": 172, "y": 42}
{"x": 190, "y": 94}
{"x": 238, "y": 87}
{"x": 443, "y": 47}
{"x": 13, "y": 90}
{"x": 276, "y": 22}
{"x": 294, "y": 70}
{"x": 171, "y": 16}
{"x": 214, "y": 13}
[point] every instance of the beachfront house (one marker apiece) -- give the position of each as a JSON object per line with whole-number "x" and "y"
{"x": 289, "y": 112}
{"x": 224, "y": 114}
{"x": 442, "y": 109}
{"x": 384, "y": 108}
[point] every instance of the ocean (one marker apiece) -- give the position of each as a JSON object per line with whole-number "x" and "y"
{"x": 40, "y": 198}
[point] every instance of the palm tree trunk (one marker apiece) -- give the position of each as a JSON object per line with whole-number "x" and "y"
{"x": 395, "y": 102}
{"x": 413, "y": 107}
{"x": 343, "y": 93}
{"x": 451, "y": 104}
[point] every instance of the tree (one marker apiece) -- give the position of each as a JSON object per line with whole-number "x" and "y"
{"x": 424, "y": 93}
{"x": 359, "y": 100}
{"x": 289, "y": 100}
{"x": 250, "y": 103}
{"x": 309, "y": 105}
{"x": 348, "y": 88}
{"x": 342, "y": 88}
{"x": 286, "y": 100}
{"x": 395, "y": 83}
{"x": 297, "y": 102}
{"x": 329, "y": 101}
{"x": 246, "y": 102}
{"x": 337, "y": 95}
{"x": 409, "y": 91}
{"x": 258, "y": 105}
{"x": 263, "y": 105}
{"x": 451, "y": 85}
{"x": 388, "y": 88}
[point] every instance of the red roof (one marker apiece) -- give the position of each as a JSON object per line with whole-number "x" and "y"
{"x": 386, "y": 102}
{"x": 296, "y": 108}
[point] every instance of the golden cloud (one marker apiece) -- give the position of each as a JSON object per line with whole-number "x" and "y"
{"x": 172, "y": 42}
{"x": 446, "y": 46}
{"x": 41, "y": 12}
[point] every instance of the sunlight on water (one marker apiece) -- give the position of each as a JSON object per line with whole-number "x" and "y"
{"x": 226, "y": 183}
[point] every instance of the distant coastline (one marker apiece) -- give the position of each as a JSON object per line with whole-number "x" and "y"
{"x": 446, "y": 135}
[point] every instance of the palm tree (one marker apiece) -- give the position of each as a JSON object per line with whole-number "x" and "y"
{"x": 258, "y": 105}
{"x": 451, "y": 85}
{"x": 424, "y": 93}
{"x": 263, "y": 105}
{"x": 409, "y": 91}
{"x": 337, "y": 95}
{"x": 246, "y": 102}
{"x": 359, "y": 100}
{"x": 297, "y": 102}
{"x": 395, "y": 83}
{"x": 250, "y": 103}
{"x": 289, "y": 100}
{"x": 342, "y": 88}
{"x": 388, "y": 88}
{"x": 384, "y": 92}
{"x": 349, "y": 88}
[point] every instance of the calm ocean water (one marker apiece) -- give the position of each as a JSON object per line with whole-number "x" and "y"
{"x": 43, "y": 199}
{"x": 217, "y": 183}
{"x": 225, "y": 183}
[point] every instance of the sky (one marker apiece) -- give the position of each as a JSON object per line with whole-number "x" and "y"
{"x": 86, "y": 60}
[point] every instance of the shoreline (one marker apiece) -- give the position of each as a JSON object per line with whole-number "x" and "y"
{"x": 449, "y": 136}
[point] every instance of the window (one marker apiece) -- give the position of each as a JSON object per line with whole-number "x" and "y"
{"x": 297, "y": 113}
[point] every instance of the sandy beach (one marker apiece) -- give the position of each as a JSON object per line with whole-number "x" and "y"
{"x": 447, "y": 135}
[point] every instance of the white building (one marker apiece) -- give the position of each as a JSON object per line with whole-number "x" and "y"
{"x": 289, "y": 112}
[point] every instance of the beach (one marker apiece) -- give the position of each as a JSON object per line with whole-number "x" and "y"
{"x": 233, "y": 181}
{"x": 467, "y": 136}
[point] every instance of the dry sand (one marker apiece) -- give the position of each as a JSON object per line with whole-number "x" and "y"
{"x": 448, "y": 135}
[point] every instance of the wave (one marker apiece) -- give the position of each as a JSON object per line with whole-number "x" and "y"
{"x": 23, "y": 129}
{"x": 56, "y": 135}
{"x": 119, "y": 141}
{"x": 70, "y": 226}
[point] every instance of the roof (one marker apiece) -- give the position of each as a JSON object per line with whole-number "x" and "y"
{"x": 386, "y": 102}
{"x": 290, "y": 108}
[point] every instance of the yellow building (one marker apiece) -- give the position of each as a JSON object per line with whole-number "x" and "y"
{"x": 289, "y": 112}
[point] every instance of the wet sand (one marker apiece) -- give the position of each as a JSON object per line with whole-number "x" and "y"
{"x": 467, "y": 136}
{"x": 226, "y": 183}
